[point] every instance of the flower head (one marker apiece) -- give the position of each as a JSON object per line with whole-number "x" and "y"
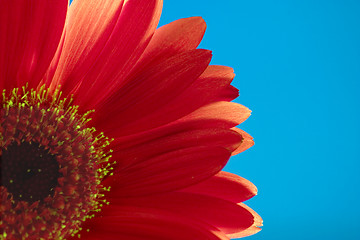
{"x": 111, "y": 128}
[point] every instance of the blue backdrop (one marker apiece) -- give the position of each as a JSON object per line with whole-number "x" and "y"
{"x": 297, "y": 65}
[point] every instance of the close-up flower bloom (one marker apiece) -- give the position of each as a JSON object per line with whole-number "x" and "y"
{"x": 114, "y": 129}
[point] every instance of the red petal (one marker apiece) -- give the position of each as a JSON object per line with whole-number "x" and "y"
{"x": 134, "y": 223}
{"x": 246, "y": 143}
{"x": 86, "y": 34}
{"x": 150, "y": 90}
{"x": 104, "y": 40}
{"x": 226, "y": 186}
{"x": 229, "y": 217}
{"x": 212, "y": 85}
{"x": 30, "y": 33}
{"x": 254, "y": 228}
{"x": 180, "y": 35}
{"x": 170, "y": 171}
{"x": 169, "y": 40}
{"x": 136, "y": 150}
{"x": 216, "y": 81}
{"x": 215, "y": 115}
{"x": 232, "y": 113}
{"x": 202, "y": 120}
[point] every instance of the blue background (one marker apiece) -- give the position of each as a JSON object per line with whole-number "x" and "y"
{"x": 297, "y": 65}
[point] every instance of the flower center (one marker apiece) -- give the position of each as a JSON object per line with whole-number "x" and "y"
{"x": 51, "y": 166}
{"x": 29, "y": 171}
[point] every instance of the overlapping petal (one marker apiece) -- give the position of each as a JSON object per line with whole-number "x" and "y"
{"x": 228, "y": 217}
{"x": 169, "y": 171}
{"x": 151, "y": 90}
{"x": 138, "y": 223}
{"x": 171, "y": 39}
{"x": 138, "y": 149}
{"x": 103, "y": 41}
{"x": 253, "y": 229}
{"x": 88, "y": 27}
{"x": 223, "y": 114}
{"x": 227, "y": 186}
{"x": 213, "y": 85}
{"x": 30, "y": 34}
{"x": 246, "y": 143}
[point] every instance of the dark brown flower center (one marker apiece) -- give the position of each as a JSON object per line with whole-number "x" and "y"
{"x": 51, "y": 167}
{"x": 28, "y": 171}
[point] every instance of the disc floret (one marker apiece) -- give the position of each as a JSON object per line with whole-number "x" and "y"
{"x": 52, "y": 164}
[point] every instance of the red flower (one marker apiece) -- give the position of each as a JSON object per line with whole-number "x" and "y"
{"x": 165, "y": 126}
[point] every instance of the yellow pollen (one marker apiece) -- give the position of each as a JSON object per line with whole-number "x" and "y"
{"x": 58, "y": 139}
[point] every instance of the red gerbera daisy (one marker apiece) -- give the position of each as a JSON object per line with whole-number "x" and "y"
{"x": 111, "y": 129}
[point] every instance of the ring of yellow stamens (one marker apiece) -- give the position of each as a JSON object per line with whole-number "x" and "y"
{"x": 44, "y": 122}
